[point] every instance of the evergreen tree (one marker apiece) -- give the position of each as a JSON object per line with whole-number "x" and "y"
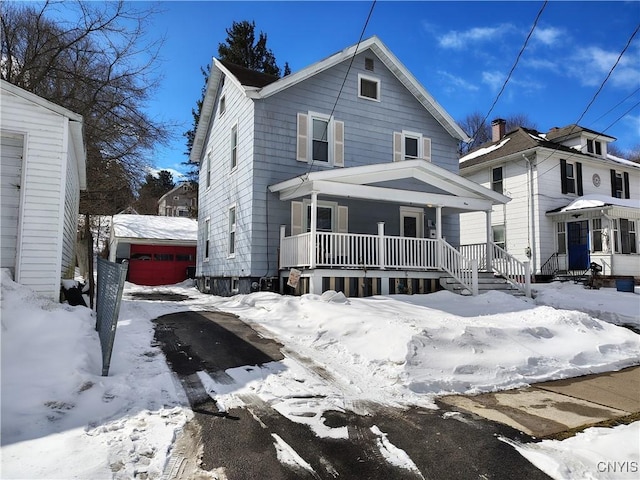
{"x": 151, "y": 190}
{"x": 241, "y": 48}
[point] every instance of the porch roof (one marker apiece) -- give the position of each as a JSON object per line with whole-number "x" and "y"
{"x": 357, "y": 182}
{"x": 615, "y": 207}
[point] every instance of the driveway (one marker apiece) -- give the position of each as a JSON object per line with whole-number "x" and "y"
{"x": 253, "y": 440}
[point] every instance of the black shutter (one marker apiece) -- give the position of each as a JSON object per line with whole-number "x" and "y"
{"x": 613, "y": 183}
{"x": 563, "y": 175}
{"x": 626, "y": 185}
{"x": 579, "y": 178}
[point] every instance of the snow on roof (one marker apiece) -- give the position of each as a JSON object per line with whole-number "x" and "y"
{"x": 623, "y": 161}
{"x": 155, "y": 227}
{"x": 485, "y": 150}
{"x": 595, "y": 200}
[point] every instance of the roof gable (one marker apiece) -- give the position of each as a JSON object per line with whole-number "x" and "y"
{"x": 257, "y": 85}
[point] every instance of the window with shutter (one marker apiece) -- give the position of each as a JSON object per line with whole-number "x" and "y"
{"x": 296, "y": 218}
{"x": 303, "y": 135}
{"x": 320, "y": 139}
{"x": 410, "y": 146}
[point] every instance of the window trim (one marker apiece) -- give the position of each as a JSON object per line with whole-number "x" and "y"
{"x": 561, "y": 230}
{"x": 371, "y": 79}
{"x": 333, "y": 206}
{"x": 208, "y": 171}
{"x": 596, "y": 231}
{"x": 232, "y": 231}
{"x": 494, "y": 182}
{"x": 325, "y": 118}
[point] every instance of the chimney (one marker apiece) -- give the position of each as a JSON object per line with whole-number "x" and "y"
{"x": 498, "y": 129}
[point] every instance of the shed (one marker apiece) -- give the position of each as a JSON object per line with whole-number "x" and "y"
{"x": 43, "y": 163}
{"x": 160, "y": 250}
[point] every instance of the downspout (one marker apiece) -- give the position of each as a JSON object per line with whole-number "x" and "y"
{"x": 531, "y": 224}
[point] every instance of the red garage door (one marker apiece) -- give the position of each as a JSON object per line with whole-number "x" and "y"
{"x": 160, "y": 264}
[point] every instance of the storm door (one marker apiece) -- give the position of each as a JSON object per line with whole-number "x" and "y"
{"x": 578, "y": 245}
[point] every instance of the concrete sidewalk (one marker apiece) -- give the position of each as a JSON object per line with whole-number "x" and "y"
{"x": 549, "y": 408}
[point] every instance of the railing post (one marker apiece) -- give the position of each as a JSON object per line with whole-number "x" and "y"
{"x": 474, "y": 277}
{"x": 282, "y": 252}
{"x": 489, "y": 248}
{"x": 312, "y": 229}
{"x": 382, "y": 255}
{"x": 527, "y": 279}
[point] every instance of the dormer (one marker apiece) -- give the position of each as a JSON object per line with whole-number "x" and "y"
{"x": 582, "y": 139}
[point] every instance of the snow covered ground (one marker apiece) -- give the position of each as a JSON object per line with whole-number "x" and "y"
{"x": 62, "y": 419}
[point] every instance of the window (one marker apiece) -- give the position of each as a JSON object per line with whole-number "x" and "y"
{"x": 235, "y": 284}
{"x": 628, "y": 239}
{"x": 206, "y": 239}
{"x": 594, "y": 146}
{"x": 596, "y": 235}
{"x": 619, "y": 184}
{"x": 368, "y": 87}
{"x": 184, "y": 257}
{"x": 324, "y": 218}
{"x": 232, "y": 230}
{"x": 234, "y": 147}
{"x": 499, "y": 236}
{"x": 208, "y": 182}
{"x": 163, "y": 257}
{"x": 411, "y": 146}
{"x": 223, "y": 105}
{"x": 320, "y": 139}
{"x": 368, "y": 64}
{"x": 561, "y": 237}
{"x": 496, "y": 180}
{"x": 571, "y": 177}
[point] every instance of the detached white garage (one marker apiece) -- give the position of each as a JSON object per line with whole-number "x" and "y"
{"x": 43, "y": 169}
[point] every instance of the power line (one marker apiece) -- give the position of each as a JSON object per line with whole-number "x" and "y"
{"x": 504, "y": 85}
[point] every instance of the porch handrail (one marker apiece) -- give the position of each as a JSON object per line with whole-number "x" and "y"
{"x": 295, "y": 251}
{"x": 477, "y": 251}
{"x": 462, "y": 268}
{"x": 551, "y": 266}
{"x": 517, "y": 273}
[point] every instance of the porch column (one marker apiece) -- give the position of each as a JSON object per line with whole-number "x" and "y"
{"x": 382, "y": 254}
{"x": 439, "y": 236}
{"x": 489, "y": 241}
{"x": 281, "y": 252}
{"x": 312, "y": 229}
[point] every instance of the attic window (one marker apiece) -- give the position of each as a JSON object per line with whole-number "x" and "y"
{"x": 368, "y": 64}
{"x": 368, "y": 87}
{"x": 223, "y": 105}
{"x": 594, "y": 147}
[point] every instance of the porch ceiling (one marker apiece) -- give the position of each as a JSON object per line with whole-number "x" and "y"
{"x": 355, "y": 182}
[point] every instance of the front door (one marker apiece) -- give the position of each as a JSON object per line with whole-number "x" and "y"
{"x": 578, "y": 245}
{"x": 411, "y": 222}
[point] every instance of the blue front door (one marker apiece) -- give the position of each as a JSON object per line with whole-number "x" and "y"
{"x": 578, "y": 245}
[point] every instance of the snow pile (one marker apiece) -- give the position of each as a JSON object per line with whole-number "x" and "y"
{"x": 155, "y": 227}
{"x": 398, "y": 350}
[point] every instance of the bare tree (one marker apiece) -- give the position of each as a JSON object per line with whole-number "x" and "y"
{"x": 479, "y": 129}
{"x": 99, "y": 64}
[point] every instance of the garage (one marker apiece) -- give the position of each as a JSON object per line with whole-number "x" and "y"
{"x": 160, "y": 250}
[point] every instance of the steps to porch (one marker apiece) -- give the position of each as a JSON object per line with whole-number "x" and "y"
{"x": 486, "y": 281}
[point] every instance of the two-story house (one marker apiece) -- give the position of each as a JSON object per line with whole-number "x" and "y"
{"x": 345, "y": 171}
{"x": 180, "y": 201}
{"x": 572, "y": 203}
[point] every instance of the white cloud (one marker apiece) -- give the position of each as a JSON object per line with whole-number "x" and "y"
{"x": 548, "y": 36}
{"x": 540, "y": 64}
{"x": 591, "y": 64}
{"x": 493, "y": 79}
{"x": 458, "y": 40}
{"x": 458, "y": 82}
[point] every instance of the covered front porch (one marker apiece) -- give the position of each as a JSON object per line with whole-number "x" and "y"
{"x": 410, "y": 198}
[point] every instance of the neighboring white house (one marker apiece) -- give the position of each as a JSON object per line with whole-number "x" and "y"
{"x": 572, "y": 203}
{"x": 43, "y": 163}
{"x": 346, "y": 170}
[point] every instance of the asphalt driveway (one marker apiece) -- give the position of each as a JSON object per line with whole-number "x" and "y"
{"x": 256, "y": 441}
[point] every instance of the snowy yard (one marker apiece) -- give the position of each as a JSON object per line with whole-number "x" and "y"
{"x": 396, "y": 350}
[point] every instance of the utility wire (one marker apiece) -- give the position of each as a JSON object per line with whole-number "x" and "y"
{"x": 504, "y": 85}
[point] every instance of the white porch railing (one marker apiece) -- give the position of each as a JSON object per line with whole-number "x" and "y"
{"x": 514, "y": 271}
{"x": 463, "y": 269}
{"x": 351, "y": 250}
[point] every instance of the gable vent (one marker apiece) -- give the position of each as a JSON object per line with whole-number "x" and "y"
{"x": 368, "y": 64}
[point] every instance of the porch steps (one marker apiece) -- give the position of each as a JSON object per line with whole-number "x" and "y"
{"x": 486, "y": 281}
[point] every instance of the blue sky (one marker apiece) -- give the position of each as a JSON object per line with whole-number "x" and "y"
{"x": 461, "y": 52}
